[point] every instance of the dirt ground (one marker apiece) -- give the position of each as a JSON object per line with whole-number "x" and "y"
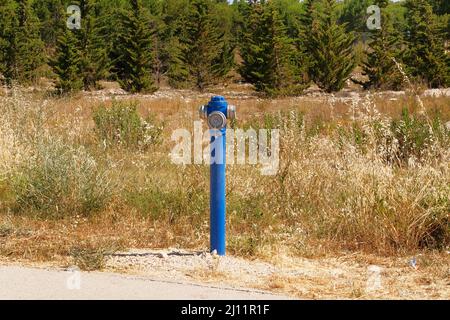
{"x": 350, "y": 276}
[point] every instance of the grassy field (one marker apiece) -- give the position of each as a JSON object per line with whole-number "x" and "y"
{"x": 84, "y": 176}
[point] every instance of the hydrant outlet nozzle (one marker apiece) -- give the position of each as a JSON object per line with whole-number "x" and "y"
{"x": 203, "y": 112}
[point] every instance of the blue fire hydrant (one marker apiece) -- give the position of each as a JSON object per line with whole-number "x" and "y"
{"x": 217, "y": 113}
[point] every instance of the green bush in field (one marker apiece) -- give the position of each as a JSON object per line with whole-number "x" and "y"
{"x": 121, "y": 125}
{"x": 61, "y": 181}
{"x": 91, "y": 258}
{"x": 416, "y": 135}
{"x": 159, "y": 203}
{"x": 411, "y": 137}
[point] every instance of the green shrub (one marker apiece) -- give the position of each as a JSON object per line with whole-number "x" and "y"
{"x": 411, "y": 137}
{"x": 244, "y": 245}
{"x": 416, "y": 135}
{"x": 61, "y": 180}
{"x": 6, "y": 229}
{"x": 354, "y": 134}
{"x": 158, "y": 203}
{"x": 121, "y": 125}
{"x": 413, "y": 134}
{"x": 90, "y": 259}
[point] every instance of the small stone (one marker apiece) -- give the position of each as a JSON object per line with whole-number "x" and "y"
{"x": 163, "y": 255}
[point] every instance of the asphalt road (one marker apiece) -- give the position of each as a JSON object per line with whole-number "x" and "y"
{"x": 31, "y": 283}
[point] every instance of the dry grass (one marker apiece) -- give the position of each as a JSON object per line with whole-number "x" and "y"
{"x": 332, "y": 193}
{"x": 347, "y": 277}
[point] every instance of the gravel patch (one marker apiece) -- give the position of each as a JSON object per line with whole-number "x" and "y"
{"x": 178, "y": 264}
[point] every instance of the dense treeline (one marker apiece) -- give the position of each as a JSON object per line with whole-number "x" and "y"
{"x": 279, "y": 46}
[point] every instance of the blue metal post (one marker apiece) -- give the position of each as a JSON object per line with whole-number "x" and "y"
{"x": 217, "y": 179}
{"x": 217, "y": 200}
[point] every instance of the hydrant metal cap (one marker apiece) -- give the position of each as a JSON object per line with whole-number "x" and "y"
{"x": 218, "y": 102}
{"x": 217, "y": 99}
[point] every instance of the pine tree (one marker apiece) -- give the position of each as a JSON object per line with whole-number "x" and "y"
{"x": 20, "y": 37}
{"x": 380, "y": 66}
{"x": 8, "y": 40}
{"x": 440, "y": 7}
{"x": 66, "y": 64}
{"x": 52, "y": 17}
{"x": 307, "y": 17}
{"x": 170, "y": 47}
{"x": 307, "y": 21}
{"x": 28, "y": 40}
{"x": 158, "y": 38}
{"x": 166, "y": 17}
{"x": 225, "y": 62}
{"x": 271, "y": 61}
{"x": 81, "y": 55}
{"x": 253, "y": 47}
{"x": 354, "y": 14}
{"x": 202, "y": 47}
{"x": 135, "y": 62}
{"x": 108, "y": 14}
{"x": 93, "y": 53}
{"x": 425, "y": 57}
{"x": 331, "y": 49}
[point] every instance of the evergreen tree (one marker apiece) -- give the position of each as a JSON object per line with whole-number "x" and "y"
{"x": 202, "y": 44}
{"x": 109, "y": 14}
{"x": 255, "y": 47}
{"x": 93, "y": 53}
{"x": 307, "y": 17}
{"x": 67, "y": 62}
{"x": 225, "y": 62}
{"x": 135, "y": 62}
{"x": 28, "y": 41}
{"x": 166, "y": 22}
{"x": 425, "y": 57}
{"x": 51, "y": 14}
{"x": 170, "y": 47}
{"x": 307, "y": 21}
{"x": 440, "y": 7}
{"x": 81, "y": 55}
{"x": 241, "y": 12}
{"x": 271, "y": 61}
{"x": 21, "y": 49}
{"x": 8, "y": 41}
{"x": 331, "y": 49}
{"x": 354, "y": 14}
{"x": 158, "y": 38}
{"x": 286, "y": 60}
{"x": 380, "y": 66}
